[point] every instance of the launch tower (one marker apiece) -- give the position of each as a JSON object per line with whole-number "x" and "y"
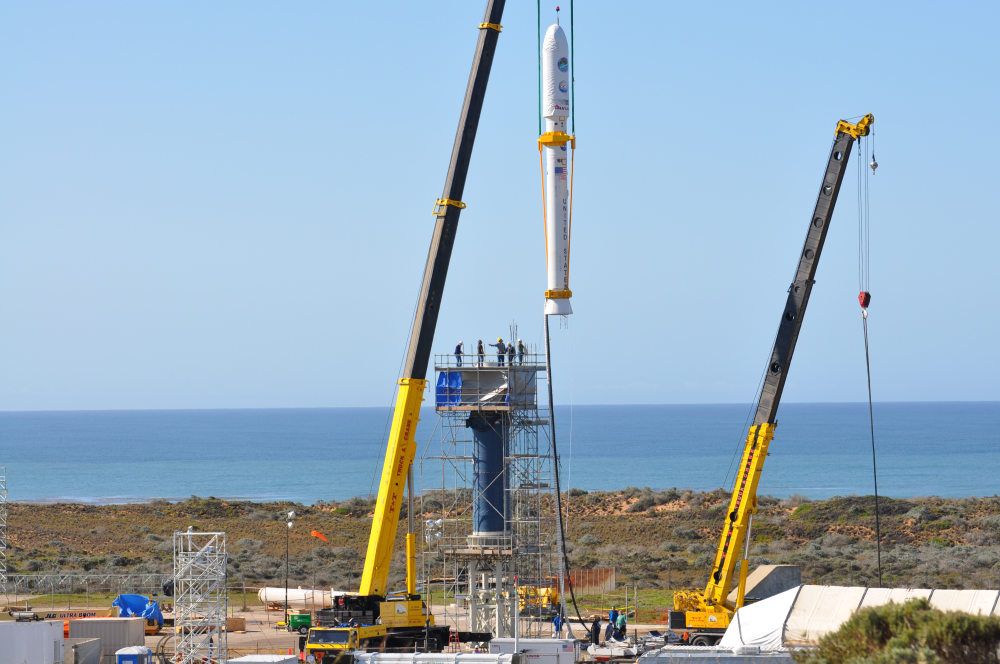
{"x": 487, "y": 498}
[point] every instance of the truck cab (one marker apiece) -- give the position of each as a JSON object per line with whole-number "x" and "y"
{"x": 332, "y": 644}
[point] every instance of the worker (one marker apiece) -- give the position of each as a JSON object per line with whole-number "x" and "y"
{"x": 613, "y": 616}
{"x": 458, "y": 353}
{"x": 557, "y": 626}
{"x": 595, "y": 631}
{"x": 481, "y": 351}
{"x": 501, "y": 350}
{"x": 520, "y": 351}
{"x": 510, "y": 355}
{"x": 622, "y": 628}
{"x": 686, "y": 638}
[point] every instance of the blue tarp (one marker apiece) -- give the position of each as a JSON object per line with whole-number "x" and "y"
{"x": 139, "y": 606}
{"x": 449, "y": 388}
{"x": 455, "y": 386}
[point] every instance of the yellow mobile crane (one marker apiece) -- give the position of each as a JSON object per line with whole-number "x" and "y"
{"x": 367, "y": 619}
{"x": 706, "y": 614}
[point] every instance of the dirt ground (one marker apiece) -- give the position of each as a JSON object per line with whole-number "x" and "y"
{"x": 261, "y": 636}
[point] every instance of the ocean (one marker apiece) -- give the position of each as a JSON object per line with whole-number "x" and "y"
{"x": 307, "y": 455}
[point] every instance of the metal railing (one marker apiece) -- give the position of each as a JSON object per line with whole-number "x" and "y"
{"x": 490, "y": 360}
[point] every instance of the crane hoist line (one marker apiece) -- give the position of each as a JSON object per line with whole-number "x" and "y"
{"x": 707, "y": 613}
{"x": 366, "y": 619}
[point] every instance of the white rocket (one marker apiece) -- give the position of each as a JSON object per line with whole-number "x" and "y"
{"x": 554, "y": 144}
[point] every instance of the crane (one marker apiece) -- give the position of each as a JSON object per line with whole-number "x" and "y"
{"x": 707, "y": 613}
{"x": 406, "y": 621}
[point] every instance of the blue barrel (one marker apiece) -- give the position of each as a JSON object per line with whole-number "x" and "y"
{"x": 490, "y": 435}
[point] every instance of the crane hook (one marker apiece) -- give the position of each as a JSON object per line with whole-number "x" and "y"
{"x": 874, "y": 163}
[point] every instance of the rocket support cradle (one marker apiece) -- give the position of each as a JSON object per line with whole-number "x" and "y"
{"x": 555, "y": 109}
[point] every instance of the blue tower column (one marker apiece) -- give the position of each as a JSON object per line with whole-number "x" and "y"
{"x": 491, "y": 443}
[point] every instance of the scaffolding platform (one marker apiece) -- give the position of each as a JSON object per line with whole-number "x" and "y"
{"x": 495, "y": 575}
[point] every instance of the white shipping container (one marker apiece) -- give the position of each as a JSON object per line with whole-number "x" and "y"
{"x": 83, "y": 651}
{"x": 540, "y": 651}
{"x": 265, "y": 659}
{"x": 31, "y": 642}
{"x": 114, "y": 633}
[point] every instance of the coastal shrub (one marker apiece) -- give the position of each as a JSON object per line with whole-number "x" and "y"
{"x": 588, "y": 540}
{"x": 990, "y": 524}
{"x": 670, "y": 495}
{"x": 432, "y": 505}
{"x": 642, "y": 504}
{"x": 345, "y": 553}
{"x": 249, "y": 543}
{"x": 835, "y": 540}
{"x": 980, "y": 538}
{"x": 794, "y": 500}
{"x": 911, "y": 632}
{"x": 671, "y": 546}
{"x": 919, "y": 514}
{"x": 801, "y": 511}
{"x": 323, "y": 553}
{"x": 576, "y": 493}
{"x": 685, "y": 532}
{"x": 696, "y": 499}
{"x": 704, "y": 560}
{"x": 153, "y": 537}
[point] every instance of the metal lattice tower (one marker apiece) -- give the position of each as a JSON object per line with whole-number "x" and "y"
{"x": 479, "y": 573}
{"x": 3, "y": 529}
{"x": 200, "y": 599}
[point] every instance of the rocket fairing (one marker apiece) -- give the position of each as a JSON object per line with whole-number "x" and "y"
{"x": 553, "y": 144}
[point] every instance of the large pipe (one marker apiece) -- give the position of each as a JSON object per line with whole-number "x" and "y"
{"x": 490, "y": 435}
{"x": 298, "y": 598}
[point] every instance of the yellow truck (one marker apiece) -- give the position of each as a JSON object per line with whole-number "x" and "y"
{"x": 334, "y": 644}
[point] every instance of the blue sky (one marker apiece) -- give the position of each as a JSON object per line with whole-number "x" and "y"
{"x": 228, "y": 204}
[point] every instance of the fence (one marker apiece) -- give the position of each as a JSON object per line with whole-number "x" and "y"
{"x": 593, "y": 580}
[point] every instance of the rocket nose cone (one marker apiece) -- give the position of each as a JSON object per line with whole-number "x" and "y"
{"x": 555, "y": 37}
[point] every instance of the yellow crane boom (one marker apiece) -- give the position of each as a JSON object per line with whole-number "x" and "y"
{"x": 710, "y": 611}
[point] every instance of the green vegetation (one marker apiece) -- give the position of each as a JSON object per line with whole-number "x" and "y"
{"x": 656, "y": 540}
{"x": 905, "y": 633}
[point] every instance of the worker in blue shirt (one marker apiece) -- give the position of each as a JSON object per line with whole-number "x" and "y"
{"x": 458, "y": 353}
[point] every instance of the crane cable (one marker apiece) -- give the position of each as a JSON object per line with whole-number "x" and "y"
{"x": 864, "y": 299}
{"x": 564, "y": 558}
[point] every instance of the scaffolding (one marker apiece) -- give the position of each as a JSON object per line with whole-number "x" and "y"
{"x": 200, "y": 600}
{"x": 3, "y": 530}
{"x": 473, "y": 573}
